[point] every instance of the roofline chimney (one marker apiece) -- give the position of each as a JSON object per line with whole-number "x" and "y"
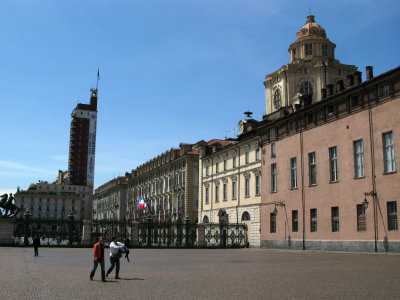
{"x": 369, "y": 72}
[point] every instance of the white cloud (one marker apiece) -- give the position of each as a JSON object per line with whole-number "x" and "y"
{"x": 17, "y": 166}
{"x": 59, "y": 157}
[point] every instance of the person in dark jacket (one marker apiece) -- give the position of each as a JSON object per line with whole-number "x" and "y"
{"x": 36, "y": 244}
{"x": 128, "y": 246}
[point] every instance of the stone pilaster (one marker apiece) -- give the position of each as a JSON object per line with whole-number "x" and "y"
{"x": 86, "y": 233}
{"x": 135, "y": 234}
{"x": 201, "y": 239}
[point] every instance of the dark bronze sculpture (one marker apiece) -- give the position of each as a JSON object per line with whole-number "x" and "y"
{"x": 9, "y": 208}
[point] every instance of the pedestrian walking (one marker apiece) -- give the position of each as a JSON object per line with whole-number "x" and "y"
{"x": 36, "y": 244}
{"x": 98, "y": 251}
{"x": 116, "y": 250}
{"x": 128, "y": 246}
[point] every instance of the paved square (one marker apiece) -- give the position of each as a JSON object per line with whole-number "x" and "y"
{"x": 60, "y": 273}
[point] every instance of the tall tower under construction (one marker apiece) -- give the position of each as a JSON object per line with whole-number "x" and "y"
{"x": 82, "y": 146}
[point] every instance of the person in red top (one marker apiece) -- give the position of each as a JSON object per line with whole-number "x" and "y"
{"x": 98, "y": 252}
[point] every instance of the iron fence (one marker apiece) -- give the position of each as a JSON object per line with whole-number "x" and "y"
{"x": 225, "y": 235}
{"x": 150, "y": 232}
{"x": 58, "y": 233}
{"x": 108, "y": 229}
{"x": 153, "y": 233}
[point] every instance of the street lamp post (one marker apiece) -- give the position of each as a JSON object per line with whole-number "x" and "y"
{"x": 71, "y": 215}
{"x": 275, "y": 212}
{"x": 365, "y": 206}
{"x": 27, "y": 216}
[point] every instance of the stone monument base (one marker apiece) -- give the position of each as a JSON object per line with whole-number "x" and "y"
{"x": 6, "y": 232}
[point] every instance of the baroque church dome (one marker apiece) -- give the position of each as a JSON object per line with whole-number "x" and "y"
{"x": 311, "y": 29}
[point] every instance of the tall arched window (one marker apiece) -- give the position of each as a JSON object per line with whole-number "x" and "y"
{"x": 306, "y": 88}
{"x": 205, "y": 220}
{"x": 277, "y": 99}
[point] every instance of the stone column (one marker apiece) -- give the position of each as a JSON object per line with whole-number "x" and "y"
{"x": 135, "y": 234}
{"x": 6, "y": 232}
{"x": 86, "y": 233}
{"x": 201, "y": 238}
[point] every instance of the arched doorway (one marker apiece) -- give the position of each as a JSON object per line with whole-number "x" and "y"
{"x": 205, "y": 220}
{"x": 246, "y": 219}
{"x": 245, "y": 216}
{"x": 223, "y": 222}
{"x": 223, "y": 216}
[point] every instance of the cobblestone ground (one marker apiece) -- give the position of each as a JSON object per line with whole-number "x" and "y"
{"x": 200, "y": 274}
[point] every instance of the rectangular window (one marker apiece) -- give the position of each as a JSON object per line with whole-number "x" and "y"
{"x": 308, "y": 49}
{"x": 388, "y": 152}
{"x": 234, "y": 162}
{"x": 247, "y": 187}
{"x": 313, "y": 219}
{"x": 294, "y": 53}
{"x": 216, "y": 193}
{"x": 207, "y": 196}
{"x": 272, "y": 133}
{"x": 310, "y": 118}
{"x": 273, "y": 150}
{"x": 384, "y": 90}
{"x": 217, "y": 167}
{"x": 207, "y": 171}
{"x": 272, "y": 224}
{"x": 258, "y": 191}
{"x": 358, "y": 159}
{"x": 335, "y": 219}
{"x": 312, "y": 168}
{"x": 257, "y": 154}
{"x": 333, "y": 165}
{"x": 233, "y": 189}
{"x": 225, "y": 165}
{"x": 392, "y": 215}
{"x": 273, "y": 178}
{"x": 225, "y": 192}
{"x": 292, "y": 125}
{"x": 361, "y": 220}
{"x": 295, "y": 220}
{"x": 293, "y": 172}
{"x": 329, "y": 111}
{"x": 324, "y": 50}
{"x": 247, "y": 157}
{"x": 354, "y": 101}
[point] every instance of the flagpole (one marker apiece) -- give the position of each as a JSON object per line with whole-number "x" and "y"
{"x": 98, "y": 78}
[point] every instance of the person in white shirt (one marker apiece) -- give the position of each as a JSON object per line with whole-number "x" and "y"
{"x": 115, "y": 254}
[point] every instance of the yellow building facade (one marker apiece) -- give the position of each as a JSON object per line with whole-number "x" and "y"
{"x": 230, "y": 183}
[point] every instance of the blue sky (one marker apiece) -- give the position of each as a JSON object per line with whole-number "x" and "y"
{"x": 171, "y": 71}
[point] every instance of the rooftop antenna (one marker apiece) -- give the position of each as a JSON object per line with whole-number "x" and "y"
{"x": 309, "y": 10}
{"x": 234, "y": 132}
{"x": 226, "y": 133}
{"x": 98, "y": 78}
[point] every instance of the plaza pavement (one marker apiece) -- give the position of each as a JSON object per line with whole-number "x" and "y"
{"x": 61, "y": 273}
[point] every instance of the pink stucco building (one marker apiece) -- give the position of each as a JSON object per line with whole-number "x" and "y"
{"x": 330, "y": 159}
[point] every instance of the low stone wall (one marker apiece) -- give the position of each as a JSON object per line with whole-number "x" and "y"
{"x": 348, "y": 246}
